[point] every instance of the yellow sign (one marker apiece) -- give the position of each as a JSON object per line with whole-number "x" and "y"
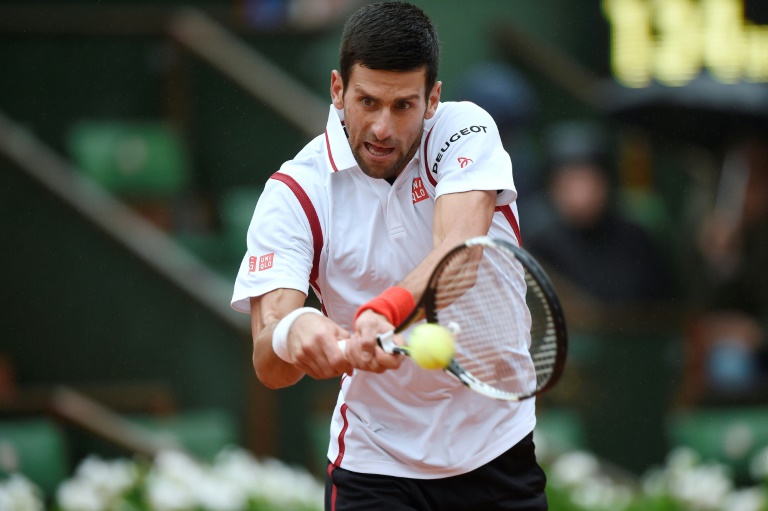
{"x": 671, "y": 41}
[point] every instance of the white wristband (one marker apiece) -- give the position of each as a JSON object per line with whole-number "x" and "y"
{"x": 280, "y": 334}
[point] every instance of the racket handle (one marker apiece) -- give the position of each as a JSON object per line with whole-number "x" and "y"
{"x": 386, "y": 341}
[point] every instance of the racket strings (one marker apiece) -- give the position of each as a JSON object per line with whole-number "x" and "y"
{"x": 544, "y": 346}
{"x": 505, "y": 340}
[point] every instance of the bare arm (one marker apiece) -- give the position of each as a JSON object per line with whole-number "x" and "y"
{"x": 312, "y": 341}
{"x": 458, "y": 216}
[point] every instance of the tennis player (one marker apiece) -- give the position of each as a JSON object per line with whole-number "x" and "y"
{"x": 361, "y": 215}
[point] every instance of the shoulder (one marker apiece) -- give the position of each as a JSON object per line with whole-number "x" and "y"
{"x": 459, "y": 114}
{"x": 294, "y": 196}
{"x": 304, "y": 175}
{"x": 459, "y": 122}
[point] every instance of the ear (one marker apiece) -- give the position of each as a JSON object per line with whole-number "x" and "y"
{"x": 337, "y": 90}
{"x": 434, "y": 99}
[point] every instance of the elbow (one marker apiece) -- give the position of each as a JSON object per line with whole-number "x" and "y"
{"x": 264, "y": 375}
{"x": 272, "y": 385}
{"x": 277, "y": 375}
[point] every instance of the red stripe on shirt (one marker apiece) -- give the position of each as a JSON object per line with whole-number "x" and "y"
{"x": 426, "y": 162}
{"x": 330, "y": 154}
{"x": 314, "y": 223}
{"x": 341, "y": 435}
{"x": 506, "y": 210}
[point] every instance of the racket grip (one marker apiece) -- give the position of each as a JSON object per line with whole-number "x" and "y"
{"x": 385, "y": 341}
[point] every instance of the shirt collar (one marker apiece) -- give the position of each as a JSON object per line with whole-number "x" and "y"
{"x": 338, "y": 154}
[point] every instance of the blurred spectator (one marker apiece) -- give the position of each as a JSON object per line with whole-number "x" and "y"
{"x": 726, "y": 351}
{"x": 585, "y": 239}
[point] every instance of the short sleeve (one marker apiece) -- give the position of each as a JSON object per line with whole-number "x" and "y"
{"x": 466, "y": 153}
{"x": 279, "y": 247}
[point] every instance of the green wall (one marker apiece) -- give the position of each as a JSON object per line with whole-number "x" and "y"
{"x": 79, "y": 310}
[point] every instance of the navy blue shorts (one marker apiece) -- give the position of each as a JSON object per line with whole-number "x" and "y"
{"x": 512, "y": 481}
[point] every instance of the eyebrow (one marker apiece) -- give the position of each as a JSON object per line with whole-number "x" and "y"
{"x": 362, "y": 92}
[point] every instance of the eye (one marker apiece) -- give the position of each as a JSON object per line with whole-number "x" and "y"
{"x": 403, "y": 105}
{"x": 367, "y": 102}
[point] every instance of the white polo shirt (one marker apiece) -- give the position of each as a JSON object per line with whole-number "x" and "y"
{"x": 322, "y": 222}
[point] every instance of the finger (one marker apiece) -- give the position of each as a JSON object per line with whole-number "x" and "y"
{"x": 320, "y": 358}
{"x": 399, "y": 340}
{"x": 352, "y": 352}
{"x": 388, "y": 360}
{"x": 359, "y": 358}
{"x": 380, "y": 362}
{"x": 335, "y": 355}
{"x": 364, "y": 347}
{"x": 312, "y": 365}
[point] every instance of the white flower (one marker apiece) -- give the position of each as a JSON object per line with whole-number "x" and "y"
{"x": 173, "y": 480}
{"x": 177, "y": 482}
{"x": 269, "y": 478}
{"x": 291, "y": 485}
{"x": 682, "y": 458}
{"x": 179, "y": 466}
{"x": 758, "y": 467}
{"x": 97, "y": 484}
{"x": 19, "y": 494}
{"x": 109, "y": 478}
{"x": 79, "y": 495}
{"x": 748, "y": 499}
{"x": 168, "y": 494}
{"x": 242, "y": 469}
{"x": 703, "y": 487}
{"x": 600, "y": 492}
{"x": 218, "y": 494}
{"x": 573, "y": 467}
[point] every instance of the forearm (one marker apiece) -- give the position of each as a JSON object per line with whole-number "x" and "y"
{"x": 307, "y": 343}
{"x": 417, "y": 280}
{"x": 458, "y": 217}
{"x": 271, "y": 370}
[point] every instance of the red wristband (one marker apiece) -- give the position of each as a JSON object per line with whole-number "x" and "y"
{"x": 395, "y": 304}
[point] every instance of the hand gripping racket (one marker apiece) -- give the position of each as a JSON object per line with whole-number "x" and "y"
{"x": 510, "y": 336}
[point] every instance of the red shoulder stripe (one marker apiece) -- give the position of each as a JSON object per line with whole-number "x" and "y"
{"x": 314, "y": 222}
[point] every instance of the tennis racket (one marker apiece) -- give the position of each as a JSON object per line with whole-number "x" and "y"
{"x": 509, "y": 330}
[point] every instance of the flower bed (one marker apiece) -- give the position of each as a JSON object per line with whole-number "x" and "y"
{"x": 237, "y": 481}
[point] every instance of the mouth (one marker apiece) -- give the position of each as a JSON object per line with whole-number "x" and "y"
{"x": 378, "y": 151}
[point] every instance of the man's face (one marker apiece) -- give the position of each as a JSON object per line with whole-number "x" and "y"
{"x": 580, "y": 192}
{"x": 384, "y": 113}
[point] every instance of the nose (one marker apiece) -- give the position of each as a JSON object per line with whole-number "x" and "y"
{"x": 382, "y": 125}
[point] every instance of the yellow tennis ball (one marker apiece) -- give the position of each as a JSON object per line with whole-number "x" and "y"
{"x": 431, "y": 346}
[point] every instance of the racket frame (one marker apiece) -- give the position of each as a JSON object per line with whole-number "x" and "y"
{"x": 427, "y": 308}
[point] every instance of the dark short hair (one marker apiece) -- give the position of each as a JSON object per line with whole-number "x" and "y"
{"x": 391, "y": 36}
